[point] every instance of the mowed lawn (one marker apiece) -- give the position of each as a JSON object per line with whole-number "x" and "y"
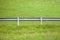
{"x": 30, "y": 9}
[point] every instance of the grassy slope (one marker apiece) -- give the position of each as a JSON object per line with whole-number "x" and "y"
{"x": 29, "y": 8}
{"x": 29, "y": 30}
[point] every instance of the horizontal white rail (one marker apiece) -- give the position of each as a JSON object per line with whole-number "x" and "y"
{"x": 30, "y": 19}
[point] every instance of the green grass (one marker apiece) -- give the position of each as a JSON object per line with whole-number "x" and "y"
{"x": 29, "y": 31}
{"x": 30, "y": 9}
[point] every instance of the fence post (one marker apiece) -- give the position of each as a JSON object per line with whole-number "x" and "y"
{"x": 41, "y": 20}
{"x": 17, "y": 21}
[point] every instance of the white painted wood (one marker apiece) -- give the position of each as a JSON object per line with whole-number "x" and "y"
{"x": 17, "y": 21}
{"x": 41, "y": 20}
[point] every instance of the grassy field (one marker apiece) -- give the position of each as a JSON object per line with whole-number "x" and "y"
{"x": 30, "y": 9}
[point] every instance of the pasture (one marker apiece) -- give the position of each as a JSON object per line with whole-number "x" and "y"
{"x": 30, "y": 9}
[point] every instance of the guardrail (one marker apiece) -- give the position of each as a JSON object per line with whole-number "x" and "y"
{"x": 28, "y": 19}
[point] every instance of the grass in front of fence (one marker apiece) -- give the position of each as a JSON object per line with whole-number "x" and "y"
{"x": 29, "y": 31}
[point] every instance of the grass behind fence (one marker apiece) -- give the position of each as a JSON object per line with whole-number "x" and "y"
{"x": 29, "y": 8}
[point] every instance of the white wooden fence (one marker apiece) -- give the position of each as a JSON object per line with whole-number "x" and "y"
{"x": 29, "y": 19}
